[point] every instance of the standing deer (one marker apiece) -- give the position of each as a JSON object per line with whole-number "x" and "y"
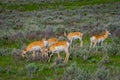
{"x": 59, "y": 47}
{"x": 98, "y": 39}
{"x": 73, "y": 36}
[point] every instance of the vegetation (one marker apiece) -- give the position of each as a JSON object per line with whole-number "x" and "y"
{"x": 50, "y": 4}
{"x": 25, "y": 21}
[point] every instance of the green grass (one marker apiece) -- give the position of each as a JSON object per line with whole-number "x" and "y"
{"x": 16, "y": 69}
{"x": 43, "y": 6}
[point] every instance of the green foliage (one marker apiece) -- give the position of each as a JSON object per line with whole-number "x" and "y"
{"x": 31, "y": 68}
{"x": 11, "y": 72}
{"x": 58, "y": 63}
{"x": 2, "y": 70}
{"x": 36, "y": 5}
{"x": 4, "y": 52}
{"x": 102, "y": 73}
{"x": 114, "y": 48}
{"x": 84, "y": 54}
{"x": 7, "y": 70}
{"x": 105, "y": 60}
{"x": 73, "y": 72}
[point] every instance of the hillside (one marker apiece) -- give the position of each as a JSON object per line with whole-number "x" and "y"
{"x": 22, "y": 22}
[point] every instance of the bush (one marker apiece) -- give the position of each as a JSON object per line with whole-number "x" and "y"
{"x": 38, "y": 57}
{"x": 114, "y": 48}
{"x": 84, "y": 53}
{"x": 58, "y": 63}
{"x": 105, "y": 59}
{"x": 74, "y": 73}
{"x": 31, "y": 69}
{"x": 2, "y": 70}
{"x": 4, "y": 51}
{"x": 102, "y": 73}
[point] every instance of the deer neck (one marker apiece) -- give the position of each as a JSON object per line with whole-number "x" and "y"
{"x": 105, "y": 35}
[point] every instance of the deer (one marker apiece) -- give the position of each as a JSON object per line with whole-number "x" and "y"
{"x": 34, "y": 46}
{"x": 99, "y": 38}
{"x": 73, "y": 36}
{"x": 59, "y": 47}
{"x": 52, "y": 41}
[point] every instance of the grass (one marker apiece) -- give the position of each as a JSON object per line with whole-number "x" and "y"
{"x": 116, "y": 60}
{"x": 18, "y": 71}
{"x": 16, "y": 68}
{"x": 43, "y": 6}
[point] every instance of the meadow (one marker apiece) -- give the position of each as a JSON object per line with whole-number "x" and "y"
{"x": 22, "y": 22}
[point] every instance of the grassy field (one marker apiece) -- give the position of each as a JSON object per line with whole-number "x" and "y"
{"x": 24, "y": 22}
{"x": 53, "y": 5}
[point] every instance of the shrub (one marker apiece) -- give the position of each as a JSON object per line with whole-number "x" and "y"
{"x": 16, "y": 53}
{"x": 11, "y": 71}
{"x": 5, "y": 52}
{"x": 2, "y": 70}
{"x": 105, "y": 59}
{"x": 74, "y": 73}
{"x": 114, "y": 48}
{"x": 31, "y": 69}
{"x": 84, "y": 53}
{"x": 58, "y": 63}
{"x": 114, "y": 73}
{"x": 7, "y": 70}
{"x": 102, "y": 73}
{"x": 38, "y": 57}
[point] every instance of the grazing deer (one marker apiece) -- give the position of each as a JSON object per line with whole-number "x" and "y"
{"x": 74, "y": 35}
{"x": 52, "y": 41}
{"x": 34, "y": 46}
{"x": 59, "y": 47}
{"x": 98, "y": 39}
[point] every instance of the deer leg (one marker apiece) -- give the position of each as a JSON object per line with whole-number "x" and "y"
{"x": 70, "y": 43}
{"x": 67, "y": 56}
{"x": 91, "y": 43}
{"x": 33, "y": 54}
{"x": 95, "y": 43}
{"x": 101, "y": 43}
{"x": 50, "y": 57}
{"x": 81, "y": 42}
{"x": 58, "y": 55}
{"x": 95, "y": 46}
{"x": 44, "y": 53}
